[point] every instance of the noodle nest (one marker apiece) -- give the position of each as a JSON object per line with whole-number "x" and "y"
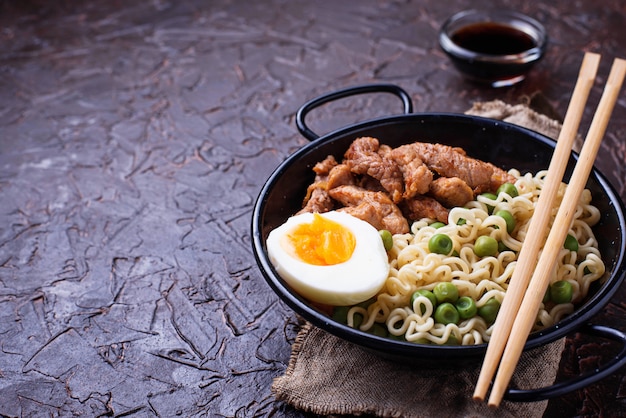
{"x": 414, "y": 267}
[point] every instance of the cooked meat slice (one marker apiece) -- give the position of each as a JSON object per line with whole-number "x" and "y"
{"x": 499, "y": 177}
{"x": 318, "y": 201}
{"x": 371, "y": 214}
{"x": 371, "y": 184}
{"x": 340, "y": 175}
{"x": 363, "y": 158}
{"x": 365, "y": 212}
{"x": 384, "y": 150}
{"x": 451, "y": 191}
{"x": 453, "y": 162}
{"x": 375, "y": 208}
{"x": 322, "y": 168}
{"x": 416, "y": 175}
{"x": 425, "y": 207}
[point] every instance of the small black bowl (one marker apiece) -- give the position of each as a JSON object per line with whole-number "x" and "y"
{"x": 495, "y": 48}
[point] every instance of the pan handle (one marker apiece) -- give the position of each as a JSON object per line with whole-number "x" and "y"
{"x": 350, "y": 91}
{"x": 562, "y": 388}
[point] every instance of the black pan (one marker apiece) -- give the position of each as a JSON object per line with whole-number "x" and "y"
{"x": 507, "y": 146}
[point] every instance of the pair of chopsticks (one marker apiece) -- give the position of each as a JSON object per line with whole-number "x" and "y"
{"x": 527, "y": 287}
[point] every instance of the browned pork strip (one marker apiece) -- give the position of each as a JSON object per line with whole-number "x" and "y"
{"x": 416, "y": 175}
{"x": 425, "y": 207}
{"x": 317, "y": 198}
{"x": 363, "y": 158}
{"x": 448, "y": 161}
{"x": 322, "y": 168}
{"x": 318, "y": 201}
{"x": 451, "y": 191}
{"x": 376, "y": 208}
{"x": 499, "y": 177}
{"x": 384, "y": 150}
{"x": 340, "y": 175}
{"x": 371, "y": 184}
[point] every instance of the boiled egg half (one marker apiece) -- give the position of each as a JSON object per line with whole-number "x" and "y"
{"x": 332, "y": 258}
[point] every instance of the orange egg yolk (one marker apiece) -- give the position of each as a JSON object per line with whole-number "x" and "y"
{"x": 322, "y": 242}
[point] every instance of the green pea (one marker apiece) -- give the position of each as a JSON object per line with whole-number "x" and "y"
{"x": 378, "y": 330}
{"x": 489, "y": 310}
{"x": 490, "y": 196}
{"x": 400, "y": 337}
{"x": 502, "y": 247}
{"x": 340, "y": 314}
{"x": 446, "y": 313}
{"x": 466, "y": 307}
{"x": 571, "y": 243}
{"x": 387, "y": 239}
{"x": 358, "y": 320}
{"x": 508, "y": 218}
{"x": 427, "y": 294}
{"x": 437, "y": 225}
{"x": 561, "y": 292}
{"x": 546, "y": 296}
{"x": 485, "y": 246}
{"x": 452, "y": 340}
{"x": 446, "y": 292}
{"x": 440, "y": 244}
{"x": 508, "y": 188}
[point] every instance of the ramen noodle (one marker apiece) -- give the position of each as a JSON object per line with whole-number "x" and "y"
{"x": 414, "y": 267}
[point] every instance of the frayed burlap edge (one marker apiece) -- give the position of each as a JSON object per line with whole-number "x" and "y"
{"x": 522, "y": 115}
{"x": 330, "y": 376}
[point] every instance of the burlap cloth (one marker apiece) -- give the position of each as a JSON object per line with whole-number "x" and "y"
{"x": 329, "y": 376}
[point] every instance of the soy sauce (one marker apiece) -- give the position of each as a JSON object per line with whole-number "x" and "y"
{"x": 493, "y": 39}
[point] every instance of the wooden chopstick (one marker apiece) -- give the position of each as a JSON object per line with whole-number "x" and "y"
{"x": 539, "y": 282}
{"x": 538, "y": 226}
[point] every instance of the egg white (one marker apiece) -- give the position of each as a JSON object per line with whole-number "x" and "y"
{"x": 348, "y": 283}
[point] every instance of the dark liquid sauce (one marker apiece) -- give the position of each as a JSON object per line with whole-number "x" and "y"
{"x": 493, "y": 38}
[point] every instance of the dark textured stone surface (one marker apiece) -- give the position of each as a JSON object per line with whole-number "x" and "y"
{"x": 134, "y": 137}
